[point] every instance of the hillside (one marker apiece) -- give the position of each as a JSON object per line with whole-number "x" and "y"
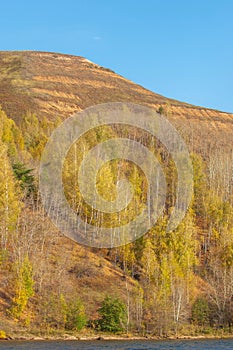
{"x": 170, "y": 282}
{"x": 57, "y": 85}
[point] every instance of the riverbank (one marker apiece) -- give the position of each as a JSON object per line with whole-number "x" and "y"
{"x": 10, "y": 331}
{"x": 70, "y": 337}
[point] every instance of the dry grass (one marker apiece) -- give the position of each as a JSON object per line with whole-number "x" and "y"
{"x": 52, "y": 85}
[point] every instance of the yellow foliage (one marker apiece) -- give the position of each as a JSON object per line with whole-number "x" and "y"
{"x": 2, "y": 335}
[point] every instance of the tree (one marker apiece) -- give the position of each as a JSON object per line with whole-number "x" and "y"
{"x": 9, "y": 198}
{"x": 200, "y": 312}
{"x": 75, "y": 315}
{"x": 11, "y": 136}
{"x": 24, "y": 288}
{"x": 113, "y": 315}
{"x": 62, "y": 312}
{"x": 25, "y": 178}
{"x": 36, "y": 133}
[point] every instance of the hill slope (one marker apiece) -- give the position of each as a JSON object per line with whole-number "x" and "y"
{"x": 53, "y": 85}
{"x": 163, "y": 276}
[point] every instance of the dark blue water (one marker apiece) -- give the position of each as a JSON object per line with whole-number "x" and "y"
{"x": 120, "y": 345}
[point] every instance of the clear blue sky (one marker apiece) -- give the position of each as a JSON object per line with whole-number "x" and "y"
{"x": 179, "y": 48}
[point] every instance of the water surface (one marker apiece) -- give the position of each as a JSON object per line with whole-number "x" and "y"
{"x": 119, "y": 345}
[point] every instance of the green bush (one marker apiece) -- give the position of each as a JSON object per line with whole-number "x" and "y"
{"x": 75, "y": 315}
{"x": 59, "y": 312}
{"x": 113, "y": 315}
{"x": 200, "y": 312}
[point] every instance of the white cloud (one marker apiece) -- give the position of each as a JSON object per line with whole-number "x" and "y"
{"x": 96, "y": 38}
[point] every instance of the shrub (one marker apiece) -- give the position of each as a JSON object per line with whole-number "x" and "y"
{"x": 113, "y": 315}
{"x": 200, "y": 312}
{"x": 58, "y": 312}
{"x": 75, "y": 315}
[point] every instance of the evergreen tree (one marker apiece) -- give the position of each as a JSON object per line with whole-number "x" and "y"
{"x": 25, "y": 178}
{"x": 113, "y": 315}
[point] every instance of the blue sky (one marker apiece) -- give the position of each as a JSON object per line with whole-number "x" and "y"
{"x": 179, "y": 48}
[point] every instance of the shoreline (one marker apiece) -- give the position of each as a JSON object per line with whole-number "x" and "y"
{"x": 67, "y": 337}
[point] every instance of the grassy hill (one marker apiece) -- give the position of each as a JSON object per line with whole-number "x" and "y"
{"x": 56, "y": 85}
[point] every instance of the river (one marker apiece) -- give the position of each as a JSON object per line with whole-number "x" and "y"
{"x": 119, "y": 345}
